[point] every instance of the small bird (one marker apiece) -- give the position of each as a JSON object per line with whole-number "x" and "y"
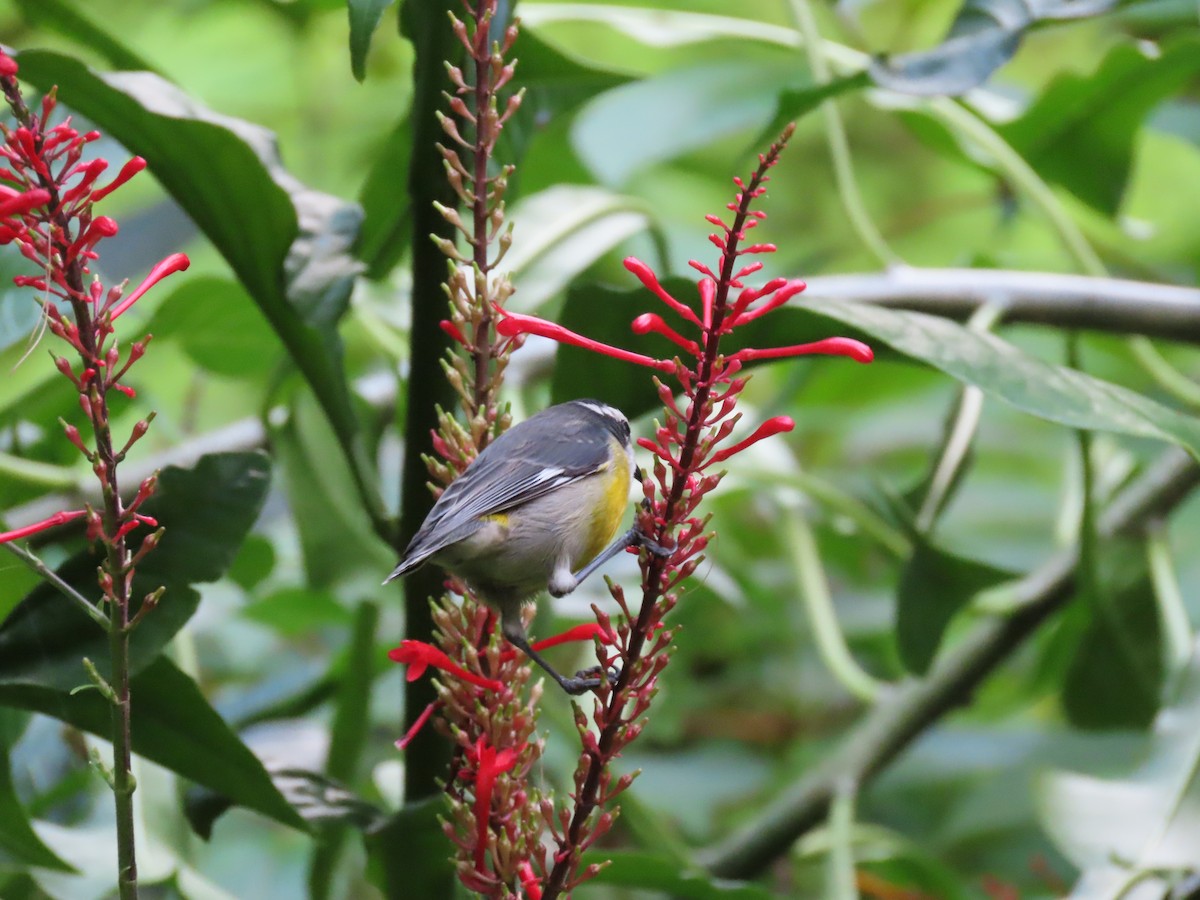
{"x": 536, "y": 510}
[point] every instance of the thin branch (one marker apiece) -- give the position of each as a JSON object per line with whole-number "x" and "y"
{"x": 1042, "y": 298}
{"x": 90, "y": 609}
{"x": 916, "y": 705}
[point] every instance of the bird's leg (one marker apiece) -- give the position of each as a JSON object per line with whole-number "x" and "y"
{"x": 634, "y": 537}
{"x": 514, "y": 631}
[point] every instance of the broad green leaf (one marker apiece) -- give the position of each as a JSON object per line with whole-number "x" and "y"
{"x": 287, "y": 244}
{"x": 648, "y": 871}
{"x": 364, "y": 19}
{"x": 984, "y": 36}
{"x": 1146, "y": 820}
{"x": 1042, "y": 389}
{"x": 206, "y": 512}
{"x": 20, "y": 847}
{"x": 1081, "y": 131}
{"x": 408, "y": 855}
{"x": 1115, "y": 678}
{"x": 174, "y": 726}
{"x": 216, "y": 324}
{"x": 633, "y": 127}
{"x": 934, "y": 585}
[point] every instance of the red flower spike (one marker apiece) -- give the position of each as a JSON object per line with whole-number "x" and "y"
{"x": 419, "y": 656}
{"x": 834, "y": 346}
{"x": 767, "y": 429}
{"x": 512, "y": 324}
{"x": 8, "y": 66}
{"x": 708, "y": 292}
{"x": 176, "y": 262}
{"x": 59, "y": 518}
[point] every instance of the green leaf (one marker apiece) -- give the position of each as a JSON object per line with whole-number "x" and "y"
{"x": 216, "y": 324}
{"x": 174, "y": 726}
{"x": 1042, "y": 389}
{"x": 287, "y": 244}
{"x": 206, "y": 510}
{"x": 649, "y": 871}
{"x": 19, "y": 844}
{"x": 409, "y": 855}
{"x": 1081, "y": 131}
{"x": 934, "y": 586}
{"x": 632, "y": 127}
{"x": 364, "y": 19}
{"x": 387, "y": 216}
{"x": 293, "y": 611}
{"x": 1116, "y": 676}
{"x": 984, "y": 36}
{"x": 793, "y": 105}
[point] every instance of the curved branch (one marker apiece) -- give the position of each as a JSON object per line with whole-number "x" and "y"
{"x": 1043, "y": 298}
{"x": 899, "y": 719}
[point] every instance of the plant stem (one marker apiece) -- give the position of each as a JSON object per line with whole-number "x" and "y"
{"x": 916, "y": 705}
{"x": 425, "y": 25}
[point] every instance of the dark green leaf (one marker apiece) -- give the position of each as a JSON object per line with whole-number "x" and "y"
{"x": 1081, "y": 131}
{"x": 387, "y": 222}
{"x": 288, "y": 244}
{"x": 408, "y": 855}
{"x": 20, "y": 846}
{"x": 255, "y": 560}
{"x": 174, "y": 726}
{"x": 364, "y": 19}
{"x": 1116, "y": 675}
{"x": 984, "y": 36}
{"x": 648, "y": 871}
{"x": 934, "y": 585}
{"x": 206, "y": 511}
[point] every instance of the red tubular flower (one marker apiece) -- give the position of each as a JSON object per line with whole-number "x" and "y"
{"x": 419, "y": 656}
{"x": 767, "y": 429}
{"x": 59, "y": 518}
{"x": 511, "y": 324}
{"x": 835, "y": 346}
{"x": 490, "y": 764}
{"x": 176, "y": 262}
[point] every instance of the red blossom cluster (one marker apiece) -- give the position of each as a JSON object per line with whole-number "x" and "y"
{"x": 699, "y": 418}
{"x": 47, "y": 194}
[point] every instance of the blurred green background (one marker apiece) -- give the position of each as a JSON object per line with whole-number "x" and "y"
{"x": 1079, "y": 155}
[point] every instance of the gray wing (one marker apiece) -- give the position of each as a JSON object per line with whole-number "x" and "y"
{"x": 521, "y": 465}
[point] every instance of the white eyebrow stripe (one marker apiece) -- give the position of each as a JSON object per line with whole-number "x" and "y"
{"x": 603, "y": 409}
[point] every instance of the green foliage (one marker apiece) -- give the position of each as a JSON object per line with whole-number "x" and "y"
{"x": 302, "y": 348}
